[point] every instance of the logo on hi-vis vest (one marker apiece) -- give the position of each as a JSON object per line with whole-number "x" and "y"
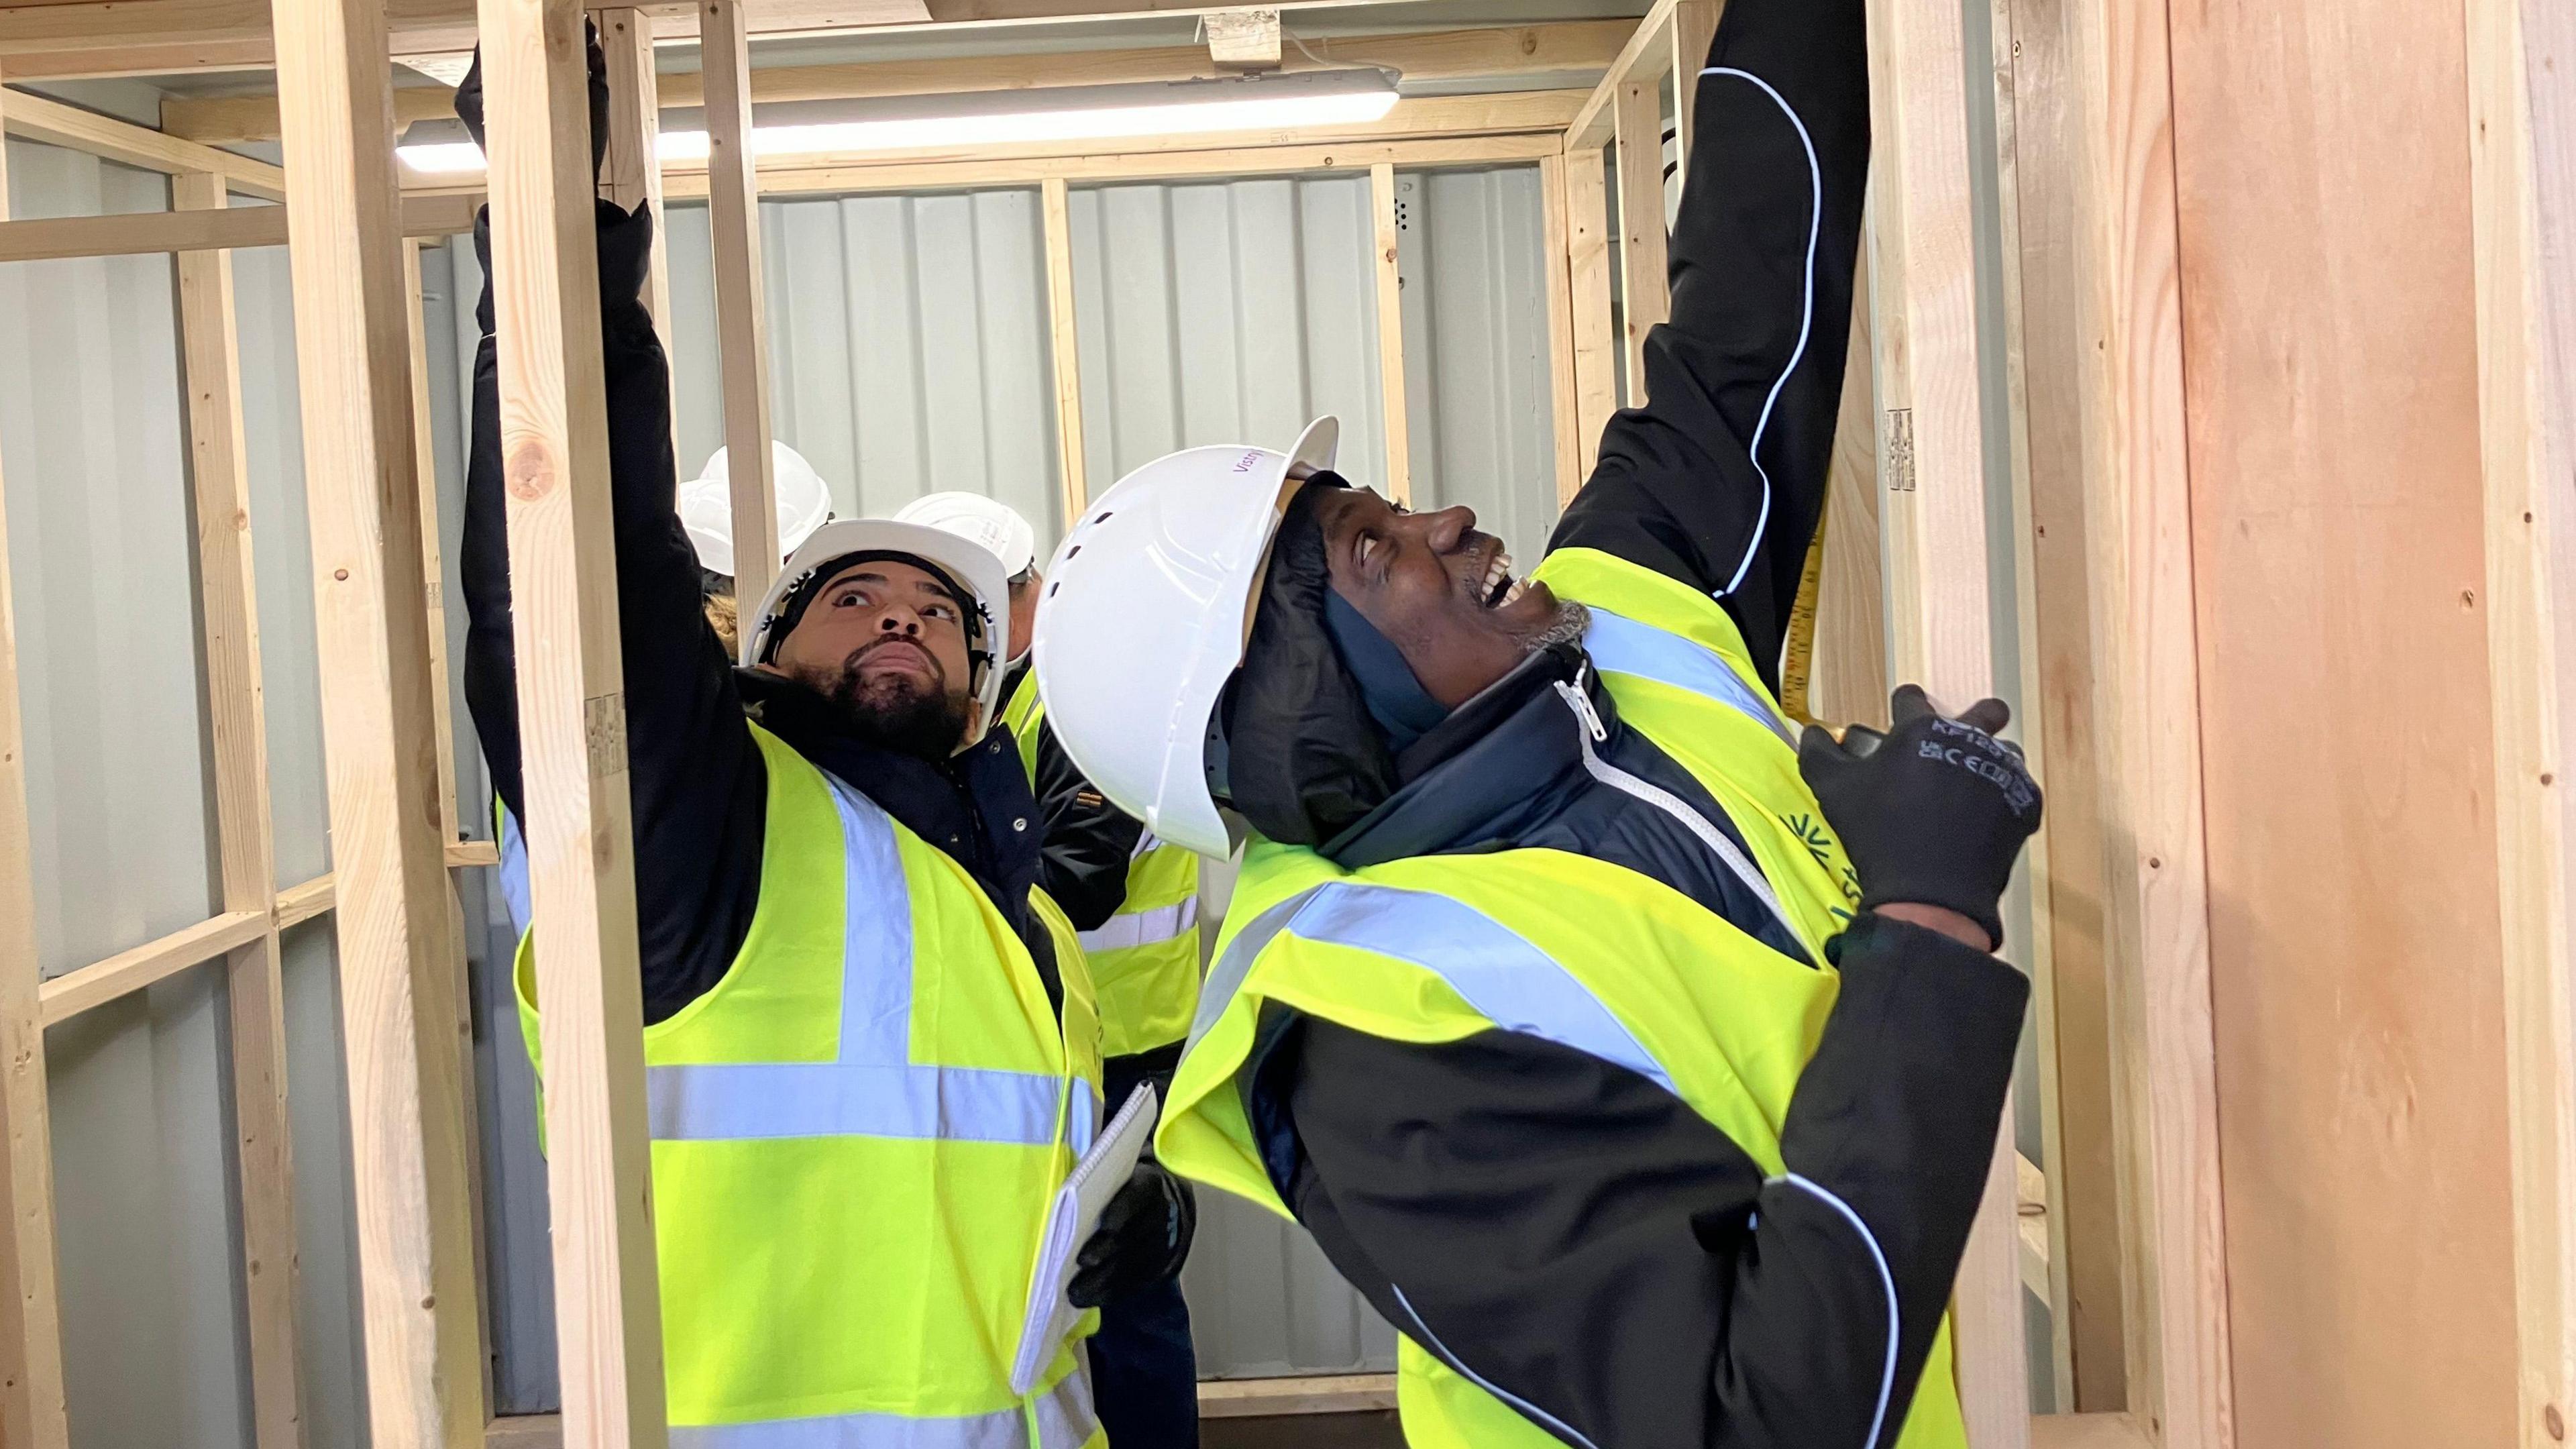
{"x": 1819, "y": 841}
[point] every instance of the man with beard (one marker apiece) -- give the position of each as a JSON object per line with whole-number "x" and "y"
{"x": 1639, "y": 1061}
{"x": 871, "y": 1054}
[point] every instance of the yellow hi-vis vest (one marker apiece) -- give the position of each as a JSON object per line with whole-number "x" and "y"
{"x": 857, "y": 1135}
{"x": 1574, "y": 950}
{"x": 1145, "y": 959}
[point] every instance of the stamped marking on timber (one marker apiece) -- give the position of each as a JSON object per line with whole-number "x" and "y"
{"x": 1900, "y": 450}
{"x": 603, "y": 721}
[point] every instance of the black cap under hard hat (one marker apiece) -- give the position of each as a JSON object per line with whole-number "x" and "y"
{"x": 793, "y": 610}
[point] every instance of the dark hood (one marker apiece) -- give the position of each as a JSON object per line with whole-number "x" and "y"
{"x": 1296, "y": 753}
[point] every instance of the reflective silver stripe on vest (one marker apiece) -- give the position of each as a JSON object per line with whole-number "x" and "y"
{"x": 1621, "y": 645}
{"x": 1492, "y": 967}
{"x": 873, "y": 1089}
{"x": 1143, "y": 928}
{"x": 1065, "y": 1420}
{"x": 513, "y": 850}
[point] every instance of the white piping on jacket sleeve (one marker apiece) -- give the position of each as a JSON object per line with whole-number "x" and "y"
{"x": 1887, "y": 1376}
{"x": 1806, "y": 315}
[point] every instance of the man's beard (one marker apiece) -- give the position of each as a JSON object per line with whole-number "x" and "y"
{"x": 896, "y": 712}
{"x": 1566, "y": 626}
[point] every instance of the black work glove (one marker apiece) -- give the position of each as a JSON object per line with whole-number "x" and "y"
{"x": 469, "y": 96}
{"x": 1932, "y": 812}
{"x": 1143, "y": 1235}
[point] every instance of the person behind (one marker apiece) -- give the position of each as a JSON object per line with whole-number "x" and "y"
{"x": 1135, "y": 902}
{"x": 706, "y": 511}
{"x": 1639, "y": 1060}
{"x": 871, "y": 1055}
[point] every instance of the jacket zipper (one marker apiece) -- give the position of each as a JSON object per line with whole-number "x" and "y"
{"x": 1594, "y": 732}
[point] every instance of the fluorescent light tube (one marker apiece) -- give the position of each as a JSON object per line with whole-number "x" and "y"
{"x": 1067, "y": 113}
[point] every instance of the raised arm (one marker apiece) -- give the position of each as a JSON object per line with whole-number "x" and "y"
{"x": 698, "y": 785}
{"x": 1719, "y": 478}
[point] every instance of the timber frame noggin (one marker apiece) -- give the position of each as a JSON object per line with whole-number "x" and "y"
{"x": 2127, "y": 1208}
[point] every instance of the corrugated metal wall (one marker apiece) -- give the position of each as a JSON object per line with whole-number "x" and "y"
{"x": 907, "y": 346}
{"x": 102, "y": 557}
{"x": 1471, "y": 249}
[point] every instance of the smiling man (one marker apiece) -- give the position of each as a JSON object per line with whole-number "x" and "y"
{"x": 1639, "y": 1060}
{"x": 871, "y": 1051}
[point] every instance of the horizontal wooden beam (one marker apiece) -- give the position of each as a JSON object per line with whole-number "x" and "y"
{"x": 1648, "y": 54}
{"x": 1302, "y": 1394}
{"x": 53, "y": 41}
{"x": 1538, "y": 114}
{"x": 1441, "y": 55}
{"x": 40, "y": 118}
{"x": 126, "y": 972}
{"x": 232, "y": 120}
{"x": 145, "y": 232}
{"x": 2088, "y": 1431}
{"x": 300, "y": 903}
{"x": 1164, "y": 166}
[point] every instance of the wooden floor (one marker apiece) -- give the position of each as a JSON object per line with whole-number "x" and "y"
{"x": 1374, "y": 1430}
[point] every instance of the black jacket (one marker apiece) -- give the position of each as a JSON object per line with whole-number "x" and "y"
{"x": 1562, "y": 1229}
{"x": 1089, "y": 842}
{"x": 697, "y": 780}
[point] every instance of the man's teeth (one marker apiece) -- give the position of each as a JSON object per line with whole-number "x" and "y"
{"x": 1496, "y": 574}
{"x": 1512, "y": 595}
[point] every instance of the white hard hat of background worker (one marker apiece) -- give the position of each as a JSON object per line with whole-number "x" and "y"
{"x": 965, "y": 571}
{"x": 706, "y": 506}
{"x": 1147, "y": 615}
{"x": 999, "y": 527}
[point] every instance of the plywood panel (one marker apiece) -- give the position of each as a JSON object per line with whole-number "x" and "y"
{"x": 2329, "y": 328}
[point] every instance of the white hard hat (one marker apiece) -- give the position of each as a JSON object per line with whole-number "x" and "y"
{"x": 970, "y": 566}
{"x": 989, "y": 521}
{"x": 1144, "y": 618}
{"x": 706, "y": 506}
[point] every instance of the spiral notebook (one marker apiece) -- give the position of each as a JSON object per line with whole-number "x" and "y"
{"x": 1070, "y": 1221}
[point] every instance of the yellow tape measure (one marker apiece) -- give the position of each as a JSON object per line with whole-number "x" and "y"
{"x": 1798, "y": 652}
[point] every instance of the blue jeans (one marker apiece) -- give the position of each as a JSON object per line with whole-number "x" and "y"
{"x": 1144, "y": 1373}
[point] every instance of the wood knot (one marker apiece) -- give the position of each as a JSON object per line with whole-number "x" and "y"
{"x": 531, "y": 471}
{"x": 2554, "y": 1422}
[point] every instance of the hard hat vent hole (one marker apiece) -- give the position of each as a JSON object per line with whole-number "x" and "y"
{"x": 1051, "y": 588}
{"x": 1073, "y": 553}
{"x": 1103, "y": 515}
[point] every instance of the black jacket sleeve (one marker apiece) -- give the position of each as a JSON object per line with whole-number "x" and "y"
{"x": 1576, "y": 1238}
{"x": 697, "y": 782}
{"x": 1719, "y": 478}
{"x": 1089, "y": 841}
